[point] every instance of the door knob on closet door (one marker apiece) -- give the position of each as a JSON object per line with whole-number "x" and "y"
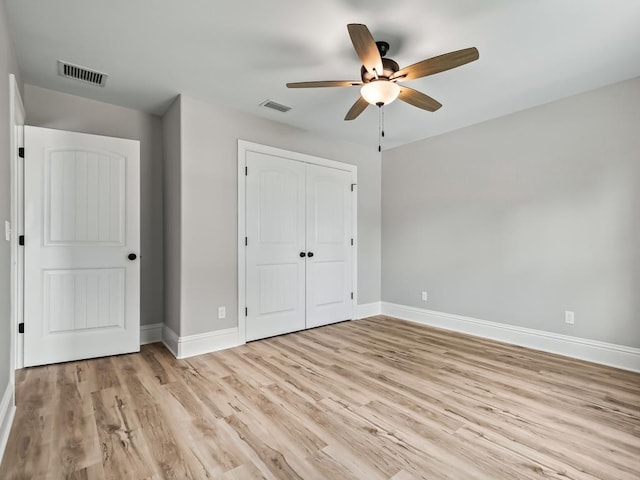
{"x": 132, "y": 256}
{"x": 310, "y": 254}
{"x": 302, "y": 254}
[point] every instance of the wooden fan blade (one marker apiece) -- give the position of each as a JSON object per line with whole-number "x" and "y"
{"x": 325, "y": 83}
{"x": 437, "y": 64}
{"x": 356, "y": 109}
{"x": 418, "y": 99}
{"x": 366, "y": 48}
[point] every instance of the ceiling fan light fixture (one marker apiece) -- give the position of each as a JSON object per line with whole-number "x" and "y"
{"x": 380, "y": 92}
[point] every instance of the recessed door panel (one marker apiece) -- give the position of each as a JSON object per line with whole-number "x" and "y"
{"x": 279, "y": 289}
{"x": 83, "y": 299}
{"x": 278, "y": 203}
{"x": 331, "y": 275}
{"x": 84, "y": 200}
{"x": 329, "y": 215}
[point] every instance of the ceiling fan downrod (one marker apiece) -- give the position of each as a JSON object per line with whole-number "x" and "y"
{"x": 383, "y": 47}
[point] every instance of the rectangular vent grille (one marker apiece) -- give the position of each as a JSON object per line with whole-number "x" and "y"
{"x": 275, "y": 106}
{"x": 83, "y": 74}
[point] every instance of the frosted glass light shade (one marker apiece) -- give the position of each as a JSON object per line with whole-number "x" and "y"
{"x": 380, "y": 91}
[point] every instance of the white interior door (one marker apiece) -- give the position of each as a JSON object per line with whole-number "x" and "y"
{"x": 275, "y": 228}
{"x": 81, "y": 226}
{"x": 329, "y": 257}
{"x": 299, "y": 257}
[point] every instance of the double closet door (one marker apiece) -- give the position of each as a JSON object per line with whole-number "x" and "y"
{"x": 299, "y": 247}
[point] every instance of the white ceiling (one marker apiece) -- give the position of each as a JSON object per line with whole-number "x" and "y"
{"x": 239, "y": 53}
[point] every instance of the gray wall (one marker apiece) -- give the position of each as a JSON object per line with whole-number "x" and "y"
{"x": 47, "y": 108}
{"x": 520, "y": 218}
{"x": 7, "y": 65}
{"x": 172, "y": 223}
{"x": 209, "y": 160}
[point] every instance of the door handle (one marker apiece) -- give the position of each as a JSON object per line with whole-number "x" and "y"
{"x": 132, "y": 256}
{"x": 310, "y": 254}
{"x": 302, "y": 254}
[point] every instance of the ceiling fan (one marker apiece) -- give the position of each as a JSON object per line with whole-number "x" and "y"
{"x": 380, "y": 76}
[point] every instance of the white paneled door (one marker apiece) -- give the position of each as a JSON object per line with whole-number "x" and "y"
{"x": 82, "y": 246}
{"x": 276, "y": 231}
{"x": 298, "y": 248}
{"x": 328, "y": 237}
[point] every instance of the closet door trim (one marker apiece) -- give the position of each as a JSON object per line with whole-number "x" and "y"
{"x": 243, "y": 148}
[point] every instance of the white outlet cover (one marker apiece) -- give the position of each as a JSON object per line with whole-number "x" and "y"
{"x": 569, "y": 317}
{"x": 222, "y": 312}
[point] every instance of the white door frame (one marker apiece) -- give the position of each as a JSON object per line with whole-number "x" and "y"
{"x": 244, "y": 147}
{"x": 16, "y": 140}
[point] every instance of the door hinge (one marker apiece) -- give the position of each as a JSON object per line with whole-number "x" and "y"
{"x": 246, "y": 171}
{"x": 246, "y": 241}
{"x": 246, "y": 311}
{"x": 351, "y": 295}
{"x": 21, "y": 240}
{"x": 352, "y": 242}
{"x": 21, "y": 152}
{"x": 21, "y": 327}
{"x": 353, "y": 185}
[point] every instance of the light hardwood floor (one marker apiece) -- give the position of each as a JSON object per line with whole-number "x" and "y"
{"x": 375, "y": 398}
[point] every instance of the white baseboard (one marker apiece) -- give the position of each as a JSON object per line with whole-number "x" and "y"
{"x": 368, "y": 310}
{"x": 189, "y": 346}
{"x": 7, "y": 412}
{"x": 150, "y": 333}
{"x": 619, "y": 356}
{"x": 170, "y": 340}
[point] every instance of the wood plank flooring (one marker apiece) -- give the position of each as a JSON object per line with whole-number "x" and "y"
{"x": 371, "y": 399}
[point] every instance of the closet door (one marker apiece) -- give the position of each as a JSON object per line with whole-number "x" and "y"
{"x": 329, "y": 250}
{"x": 275, "y": 226}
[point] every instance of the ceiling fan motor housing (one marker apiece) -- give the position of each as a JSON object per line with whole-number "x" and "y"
{"x": 389, "y": 67}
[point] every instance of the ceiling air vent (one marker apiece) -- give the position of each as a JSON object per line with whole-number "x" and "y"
{"x": 275, "y": 106}
{"x": 83, "y": 74}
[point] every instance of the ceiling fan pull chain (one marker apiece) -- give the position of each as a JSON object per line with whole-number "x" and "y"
{"x": 380, "y": 135}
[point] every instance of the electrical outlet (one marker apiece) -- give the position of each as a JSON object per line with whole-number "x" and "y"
{"x": 222, "y": 312}
{"x": 569, "y": 317}
{"x": 424, "y": 296}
